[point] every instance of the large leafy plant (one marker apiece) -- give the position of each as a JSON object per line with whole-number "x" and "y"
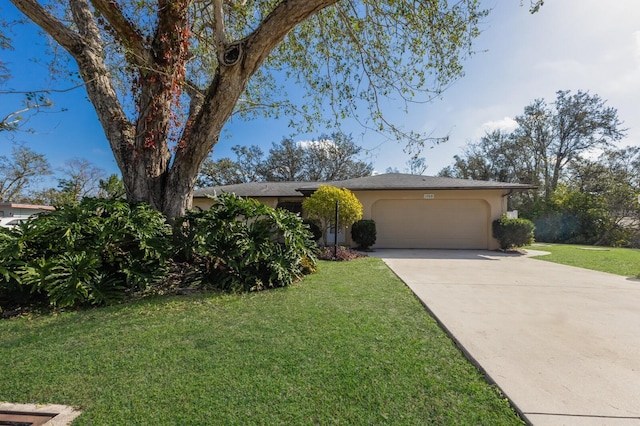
{"x": 92, "y": 253}
{"x": 242, "y": 245}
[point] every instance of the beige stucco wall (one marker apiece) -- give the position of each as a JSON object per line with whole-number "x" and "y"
{"x": 494, "y": 200}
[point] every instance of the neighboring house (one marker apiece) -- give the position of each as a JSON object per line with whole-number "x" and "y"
{"x": 410, "y": 211}
{"x": 21, "y": 210}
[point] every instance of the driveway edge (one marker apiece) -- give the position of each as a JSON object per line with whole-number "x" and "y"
{"x": 464, "y": 351}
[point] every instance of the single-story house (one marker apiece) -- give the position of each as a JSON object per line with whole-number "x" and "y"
{"x": 17, "y": 210}
{"x": 410, "y": 211}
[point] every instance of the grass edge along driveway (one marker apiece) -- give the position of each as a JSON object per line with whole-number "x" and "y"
{"x": 619, "y": 261}
{"x": 348, "y": 345}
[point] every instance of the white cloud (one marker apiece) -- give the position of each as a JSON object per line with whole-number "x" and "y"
{"x": 506, "y": 124}
{"x": 636, "y": 37}
{"x": 324, "y": 143}
{"x": 561, "y": 66}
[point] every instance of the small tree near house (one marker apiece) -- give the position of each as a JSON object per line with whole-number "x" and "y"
{"x": 321, "y": 206}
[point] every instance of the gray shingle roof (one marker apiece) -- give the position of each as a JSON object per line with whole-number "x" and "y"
{"x": 256, "y": 189}
{"x": 396, "y": 181}
{"x": 406, "y": 181}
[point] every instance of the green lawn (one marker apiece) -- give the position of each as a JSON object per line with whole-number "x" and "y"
{"x": 348, "y": 345}
{"x": 620, "y": 261}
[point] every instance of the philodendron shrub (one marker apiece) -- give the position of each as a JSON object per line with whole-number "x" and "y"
{"x": 513, "y": 233}
{"x": 92, "y": 253}
{"x": 101, "y": 251}
{"x": 243, "y": 245}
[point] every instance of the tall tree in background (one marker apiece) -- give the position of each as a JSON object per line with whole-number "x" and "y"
{"x": 615, "y": 178}
{"x": 165, "y": 76}
{"x": 577, "y": 124}
{"x": 417, "y": 165}
{"x": 285, "y": 162}
{"x": 80, "y": 179}
{"x": 494, "y": 157}
{"x": 18, "y": 172}
{"x": 327, "y": 158}
{"x": 334, "y": 157}
{"x": 547, "y": 140}
{"x": 247, "y": 167}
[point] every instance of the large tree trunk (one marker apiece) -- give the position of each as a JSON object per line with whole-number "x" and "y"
{"x": 150, "y": 171}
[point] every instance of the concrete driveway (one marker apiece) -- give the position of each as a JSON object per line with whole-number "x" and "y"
{"x": 562, "y": 343}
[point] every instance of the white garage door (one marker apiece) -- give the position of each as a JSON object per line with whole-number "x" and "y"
{"x": 449, "y": 224}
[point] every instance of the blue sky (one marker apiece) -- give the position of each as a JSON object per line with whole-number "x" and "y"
{"x": 588, "y": 45}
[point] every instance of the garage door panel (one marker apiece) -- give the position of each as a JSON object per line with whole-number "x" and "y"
{"x": 431, "y": 223}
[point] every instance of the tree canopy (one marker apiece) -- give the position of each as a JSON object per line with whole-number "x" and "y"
{"x": 322, "y": 203}
{"x": 164, "y": 77}
{"x": 20, "y": 171}
{"x": 328, "y": 158}
{"x": 547, "y": 140}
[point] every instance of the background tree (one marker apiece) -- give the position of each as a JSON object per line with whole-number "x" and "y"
{"x": 495, "y": 157}
{"x": 18, "y": 172}
{"x": 553, "y": 137}
{"x": 327, "y": 158}
{"x": 334, "y": 157}
{"x": 285, "y": 162}
{"x": 111, "y": 187}
{"x": 417, "y": 165}
{"x": 546, "y": 141}
{"x": 614, "y": 179}
{"x": 224, "y": 171}
{"x": 80, "y": 179}
{"x": 170, "y": 74}
{"x": 321, "y": 206}
{"x": 247, "y": 167}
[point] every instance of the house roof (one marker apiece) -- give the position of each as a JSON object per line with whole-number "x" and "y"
{"x": 26, "y": 206}
{"x": 257, "y": 189}
{"x": 388, "y": 181}
{"x": 407, "y": 181}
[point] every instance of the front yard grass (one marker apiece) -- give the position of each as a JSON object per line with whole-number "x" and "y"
{"x": 620, "y": 261}
{"x": 348, "y": 345}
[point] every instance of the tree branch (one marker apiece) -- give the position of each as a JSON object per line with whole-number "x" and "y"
{"x": 126, "y": 32}
{"x": 218, "y": 22}
{"x": 9, "y": 123}
{"x": 284, "y": 17}
{"x": 49, "y": 23}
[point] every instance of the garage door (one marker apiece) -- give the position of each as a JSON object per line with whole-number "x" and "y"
{"x": 453, "y": 224}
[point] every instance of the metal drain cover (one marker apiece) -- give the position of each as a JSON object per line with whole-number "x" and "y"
{"x": 36, "y": 415}
{"x": 20, "y": 418}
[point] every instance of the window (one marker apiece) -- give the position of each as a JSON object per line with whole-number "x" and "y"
{"x": 292, "y": 206}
